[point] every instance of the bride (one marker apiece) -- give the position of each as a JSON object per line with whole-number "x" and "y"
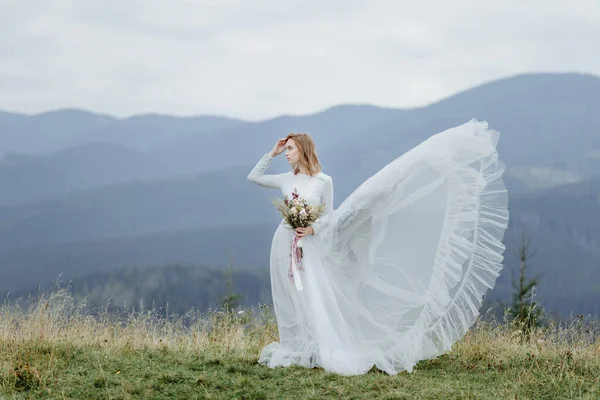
{"x": 395, "y": 274}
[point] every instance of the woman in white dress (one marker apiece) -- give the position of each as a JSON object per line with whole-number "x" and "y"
{"x": 397, "y": 273}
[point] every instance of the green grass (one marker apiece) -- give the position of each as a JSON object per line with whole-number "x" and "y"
{"x": 53, "y": 349}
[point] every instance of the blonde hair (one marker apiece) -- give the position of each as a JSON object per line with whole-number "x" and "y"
{"x": 308, "y": 153}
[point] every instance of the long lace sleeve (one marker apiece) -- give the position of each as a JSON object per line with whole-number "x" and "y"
{"x": 327, "y": 197}
{"x": 257, "y": 175}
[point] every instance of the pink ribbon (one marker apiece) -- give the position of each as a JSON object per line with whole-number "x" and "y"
{"x": 296, "y": 259}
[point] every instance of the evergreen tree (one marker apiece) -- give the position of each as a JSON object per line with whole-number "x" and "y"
{"x": 525, "y": 312}
{"x": 231, "y": 300}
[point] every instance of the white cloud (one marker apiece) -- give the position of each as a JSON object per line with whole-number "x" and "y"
{"x": 257, "y": 59}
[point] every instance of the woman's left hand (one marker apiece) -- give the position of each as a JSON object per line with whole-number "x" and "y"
{"x": 301, "y": 232}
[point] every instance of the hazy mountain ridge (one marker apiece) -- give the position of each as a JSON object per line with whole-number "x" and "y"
{"x": 206, "y": 200}
{"x": 549, "y": 136}
{"x": 191, "y": 146}
{"x": 40, "y": 176}
{"x": 243, "y": 246}
{"x": 245, "y": 143}
{"x": 176, "y": 288}
{"x": 56, "y": 130}
{"x": 567, "y": 246}
{"x": 547, "y": 121}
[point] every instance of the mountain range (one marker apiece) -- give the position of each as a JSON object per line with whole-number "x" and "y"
{"x": 84, "y": 193}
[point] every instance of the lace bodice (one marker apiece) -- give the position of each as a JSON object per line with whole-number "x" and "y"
{"x": 315, "y": 189}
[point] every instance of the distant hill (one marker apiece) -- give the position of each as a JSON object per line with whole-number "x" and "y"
{"x": 160, "y": 189}
{"x": 26, "y": 178}
{"x": 159, "y": 146}
{"x": 564, "y": 226}
{"x": 549, "y": 124}
{"x": 173, "y": 288}
{"x": 244, "y": 246}
{"x": 70, "y": 150}
{"x": 48, "y": 131}
{"x": 548, "y": 121}
{"x": 56, "y": 130}
{"x": 563, "y": 223}
{"x": 549, "y": 138}
{"x": 245, "y": 143}
{"x": 199, "y": 202}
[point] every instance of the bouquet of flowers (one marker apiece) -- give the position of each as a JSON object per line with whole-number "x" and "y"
{"x": 297, "y": 213}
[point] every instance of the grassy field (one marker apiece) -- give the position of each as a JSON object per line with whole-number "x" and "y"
{"x": 53, "y": 349}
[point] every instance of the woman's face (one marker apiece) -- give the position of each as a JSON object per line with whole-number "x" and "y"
{"x": 292, "y": 153}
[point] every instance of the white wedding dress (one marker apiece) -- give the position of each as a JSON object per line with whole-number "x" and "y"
{"x": 396, "y": 274}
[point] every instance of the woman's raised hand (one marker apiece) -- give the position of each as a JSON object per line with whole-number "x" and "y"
{"x": 279, "y": 147}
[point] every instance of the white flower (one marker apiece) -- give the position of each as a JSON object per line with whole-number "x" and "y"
{"x": 293, "y": 210}
{"x": 303, "y": 212}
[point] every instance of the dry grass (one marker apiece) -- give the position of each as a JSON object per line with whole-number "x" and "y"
{"x": 55, "y": 318}
{"x": 53, "y": 348}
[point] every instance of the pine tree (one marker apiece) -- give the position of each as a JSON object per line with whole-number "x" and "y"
{"x": 231, "y": 300}
{"x": 524, "y": 311}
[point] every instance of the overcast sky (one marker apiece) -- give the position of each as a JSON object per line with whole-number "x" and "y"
{"x": 256, "y": 59}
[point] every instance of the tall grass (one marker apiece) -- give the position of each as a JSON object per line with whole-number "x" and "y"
{"x": 53, "y": 347}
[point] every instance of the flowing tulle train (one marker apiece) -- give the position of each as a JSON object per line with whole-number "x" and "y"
{"x": 399, "y": 272}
